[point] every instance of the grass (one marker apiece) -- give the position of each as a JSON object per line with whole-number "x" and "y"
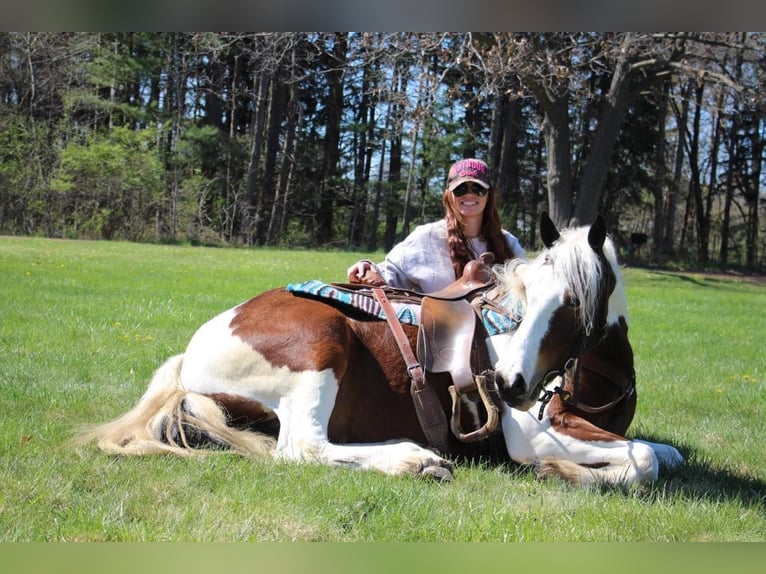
{"x": 84, "y": 324}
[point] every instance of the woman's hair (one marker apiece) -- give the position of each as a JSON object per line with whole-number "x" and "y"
{"x": 491, "y": 231}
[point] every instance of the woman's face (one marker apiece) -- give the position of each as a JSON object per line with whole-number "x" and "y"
{"x": 470, "y": 198}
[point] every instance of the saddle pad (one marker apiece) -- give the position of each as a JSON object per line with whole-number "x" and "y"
{"x": 494, "y": 322}
{"x": 360, "y": 300}
{"x": 497, "y": 323}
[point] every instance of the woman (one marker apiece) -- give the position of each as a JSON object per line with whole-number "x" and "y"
{"x": 434, "y": 254}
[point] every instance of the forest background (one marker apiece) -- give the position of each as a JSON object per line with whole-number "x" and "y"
{"x": 344, "y": 139}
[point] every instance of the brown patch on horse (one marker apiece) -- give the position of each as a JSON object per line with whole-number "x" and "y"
{"x": 597, "y": 387}
{"x": 374, "y": 402}
{"x": 248, "y": 414}
{"x": 271, "y": 319}
{"x": 577, "y": 427}
{"x": 561, "y": 342}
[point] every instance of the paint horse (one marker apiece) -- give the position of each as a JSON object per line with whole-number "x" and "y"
{"x": 576, "y": 316}
{"x": 302, "y": 379}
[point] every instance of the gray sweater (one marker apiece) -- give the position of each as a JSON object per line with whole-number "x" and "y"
{"x": 421, "y": 262}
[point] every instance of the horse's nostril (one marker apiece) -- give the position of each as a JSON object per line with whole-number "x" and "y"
{"x": 513, "y": 393}
{"x": 519, "y": 385}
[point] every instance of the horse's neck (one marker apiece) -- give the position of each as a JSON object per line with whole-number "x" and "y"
{"x": 612, "y": 359}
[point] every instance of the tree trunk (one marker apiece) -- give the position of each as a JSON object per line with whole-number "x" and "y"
{"x": 600, "y": 153}
{"x": 556, "y": 134}
{"x": 659, "y": 181}
{"x": 331, "y": 148}
{"x": 701, "y": 218}
{"x": 260, "y": 91}
{"x": 278, "y": 206}
{"x": 266, "y": 197}
{"x": 372, "y": 238}
{"x": 413, "y": 159}
{"x": 682, "y": 117}
{"x": 398, "y": 95}
{"x": 753, "y": 192}
{"x": 728, "y": 191}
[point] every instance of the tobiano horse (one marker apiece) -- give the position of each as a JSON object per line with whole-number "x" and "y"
{"x": 297, "y": 377}
{"x": 574, "y": 338}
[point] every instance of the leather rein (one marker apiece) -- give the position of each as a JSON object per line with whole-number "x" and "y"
{"x": 573, "y": 367}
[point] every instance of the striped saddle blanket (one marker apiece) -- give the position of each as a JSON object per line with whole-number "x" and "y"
{"x": 362, "y": 300}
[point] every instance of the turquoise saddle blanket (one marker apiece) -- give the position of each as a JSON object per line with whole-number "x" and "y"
{"x": 494, "y": 322}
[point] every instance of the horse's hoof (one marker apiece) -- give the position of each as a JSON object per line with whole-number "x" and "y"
{"x": 438, "y": 473}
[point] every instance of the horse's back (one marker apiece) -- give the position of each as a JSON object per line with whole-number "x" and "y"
{"x": 256, "y": 348}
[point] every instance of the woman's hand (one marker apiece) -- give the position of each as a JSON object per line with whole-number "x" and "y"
{"x": 364, "y": 272}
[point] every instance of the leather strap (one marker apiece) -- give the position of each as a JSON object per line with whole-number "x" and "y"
{"x": 427, "y": 406}
{"x": 613, "y": 375}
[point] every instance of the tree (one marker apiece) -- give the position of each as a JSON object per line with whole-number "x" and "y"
{"x": 344, "y": 138}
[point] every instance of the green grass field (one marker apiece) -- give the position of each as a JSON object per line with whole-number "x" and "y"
{"x": 84, "y": 325}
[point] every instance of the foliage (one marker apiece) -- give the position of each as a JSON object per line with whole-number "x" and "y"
{"x": 85, "y": 324}
{"x": 259, "y": 138}
{"x": 110, "y": 186}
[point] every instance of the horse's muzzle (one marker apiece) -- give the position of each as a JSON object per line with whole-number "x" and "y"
{"x": 516, "y": 393}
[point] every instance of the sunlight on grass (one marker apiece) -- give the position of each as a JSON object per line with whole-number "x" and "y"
{"x": 86, "y": 323}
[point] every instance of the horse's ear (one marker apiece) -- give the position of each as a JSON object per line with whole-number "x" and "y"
{"x": 548, "y": 232}
{"x": 597, "y": 233}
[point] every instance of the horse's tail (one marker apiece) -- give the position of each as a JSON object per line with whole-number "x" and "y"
{"x": 171, "y": 420}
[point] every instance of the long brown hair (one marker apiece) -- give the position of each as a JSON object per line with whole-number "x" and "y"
{"x": 491, "y": 231}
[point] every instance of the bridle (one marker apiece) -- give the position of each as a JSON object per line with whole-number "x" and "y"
{"x": 573, "y": 365}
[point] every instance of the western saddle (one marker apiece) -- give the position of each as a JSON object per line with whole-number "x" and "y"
{"x": 450, "y": 340}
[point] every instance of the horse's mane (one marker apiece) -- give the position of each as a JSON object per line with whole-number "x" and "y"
{"x": 576, "y": 263}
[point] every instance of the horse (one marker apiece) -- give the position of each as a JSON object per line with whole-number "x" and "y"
{"x": 302, "y": 379}
{"x": 574, "y": 337}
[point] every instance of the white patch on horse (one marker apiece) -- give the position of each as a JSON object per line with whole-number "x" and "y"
{"x": 216, "y": 361}
{"x": 544, "y": 297}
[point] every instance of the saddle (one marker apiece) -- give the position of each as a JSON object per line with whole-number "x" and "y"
{"x": 448, "y": 323}
{"x": 450, "y": 340}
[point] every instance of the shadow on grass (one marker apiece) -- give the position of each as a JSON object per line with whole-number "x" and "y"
{"x": 709, "y": 279}
{"x": 706, "y": 282}
{"x": 698, "y": 479}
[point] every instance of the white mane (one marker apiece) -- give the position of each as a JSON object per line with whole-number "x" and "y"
{"x": 575, "y": 263}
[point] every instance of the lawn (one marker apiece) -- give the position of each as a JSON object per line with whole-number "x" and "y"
{"x": 84, "y": 324}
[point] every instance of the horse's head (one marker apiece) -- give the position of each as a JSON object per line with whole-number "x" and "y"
{"x": 567, "y": 290}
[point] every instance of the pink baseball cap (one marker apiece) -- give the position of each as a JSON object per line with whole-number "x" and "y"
{"x": 464, "y": 170}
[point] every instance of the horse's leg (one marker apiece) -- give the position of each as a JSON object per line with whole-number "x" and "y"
{"x": 669, "y": 457}
{"x": 578, "y": 451}
{"x": 304, "y": 416}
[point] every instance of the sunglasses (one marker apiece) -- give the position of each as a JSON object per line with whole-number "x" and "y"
{"x": 464, "y": 188}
